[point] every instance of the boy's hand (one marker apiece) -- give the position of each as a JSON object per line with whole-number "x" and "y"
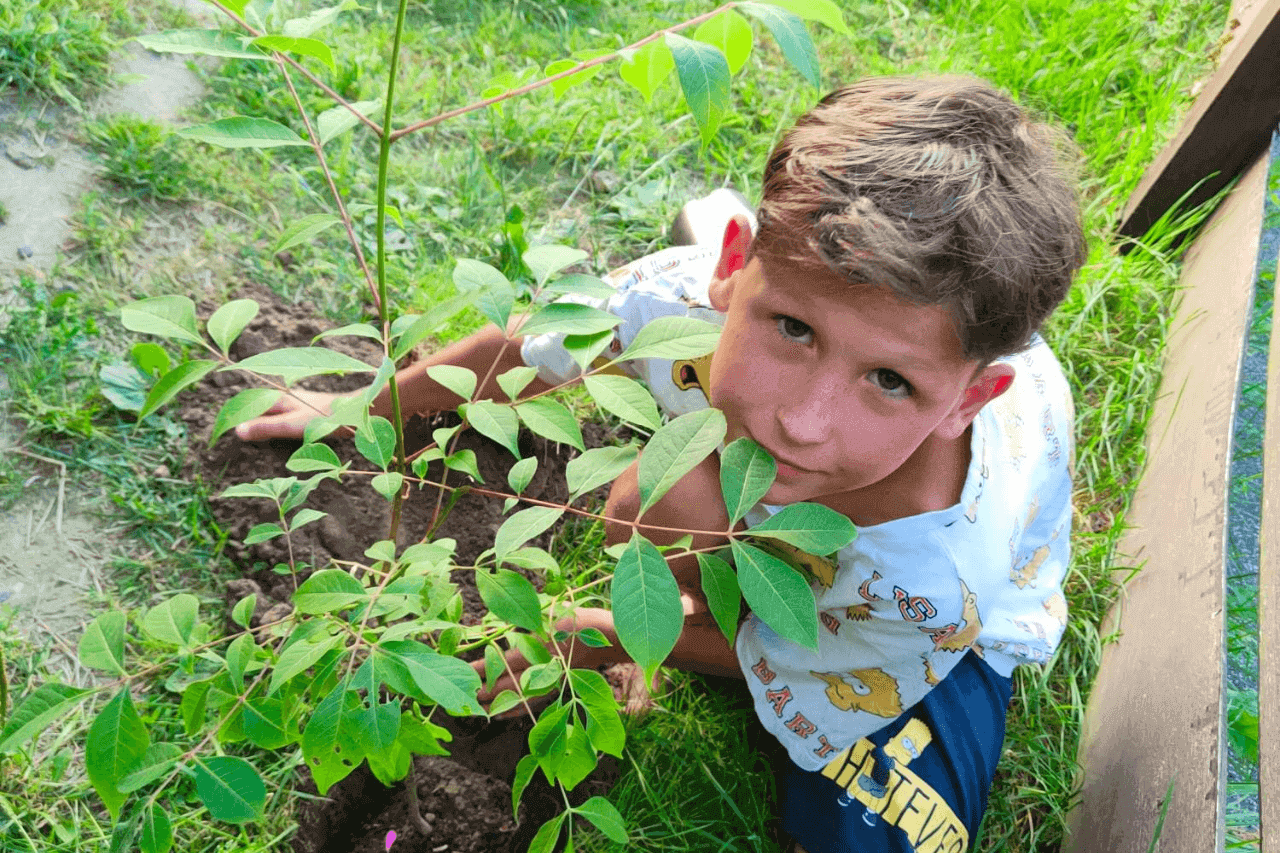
{"x": 289, "y": 417}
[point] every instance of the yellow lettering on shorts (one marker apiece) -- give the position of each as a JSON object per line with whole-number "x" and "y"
{"x": 909, "y": 803}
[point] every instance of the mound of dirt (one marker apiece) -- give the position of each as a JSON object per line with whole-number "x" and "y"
{"x": 466, "y": 797}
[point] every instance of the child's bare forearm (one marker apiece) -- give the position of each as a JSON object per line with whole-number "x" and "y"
{"x": 419, "y": 393}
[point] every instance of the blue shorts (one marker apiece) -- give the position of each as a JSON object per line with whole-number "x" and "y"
{"x": 919, "y": 784}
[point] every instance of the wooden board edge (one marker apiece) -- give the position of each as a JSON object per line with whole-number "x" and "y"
{"x": 1204, "y": 141}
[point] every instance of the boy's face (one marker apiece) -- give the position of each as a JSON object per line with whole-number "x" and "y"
{"x": 844, "y": 386}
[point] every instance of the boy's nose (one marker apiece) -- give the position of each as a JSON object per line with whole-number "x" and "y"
{"x": 805, "y": 418}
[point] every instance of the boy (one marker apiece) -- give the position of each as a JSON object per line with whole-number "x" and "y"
{"x": 880, "y": 342}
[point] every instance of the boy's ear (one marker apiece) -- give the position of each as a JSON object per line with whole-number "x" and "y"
{"x": 735, "y": 246}
{"x": 990, "y": 382}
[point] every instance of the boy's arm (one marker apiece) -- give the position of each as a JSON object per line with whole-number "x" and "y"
{"x": 419, "y": 393}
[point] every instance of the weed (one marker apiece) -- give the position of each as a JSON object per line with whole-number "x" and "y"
{"x": 143, "y": 160}
{"x": 48, "y": 353}
{"x": 54, "y": 46}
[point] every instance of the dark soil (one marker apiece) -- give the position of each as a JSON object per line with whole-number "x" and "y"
{"x": 466, "y": 797}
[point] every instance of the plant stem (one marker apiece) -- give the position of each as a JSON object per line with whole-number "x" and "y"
{"x": 384, "y": 158}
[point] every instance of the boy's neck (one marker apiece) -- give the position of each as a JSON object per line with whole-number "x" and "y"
{"x": 931, "y": 479}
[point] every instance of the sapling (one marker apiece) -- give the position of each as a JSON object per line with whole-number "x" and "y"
{"x": 370, "y": 654}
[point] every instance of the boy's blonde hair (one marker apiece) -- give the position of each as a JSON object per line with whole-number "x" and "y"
{"x": 942, "y": 190}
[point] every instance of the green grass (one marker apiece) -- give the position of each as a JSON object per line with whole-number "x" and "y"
{"x": 1117, "y": 75}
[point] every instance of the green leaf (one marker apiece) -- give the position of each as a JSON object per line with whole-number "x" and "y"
{"x": 511, "y": 598}
{"x": 308, "y": 24}
{"x": 163, "y": 316}
{"x": 294, "y": 363}
{"x": 464, "y": 461}
{"x": 157, "y": 834}
{"x": 38, "y": 710}
{"x": 264, "y": 724}
{"x": 195, "y": 700}
{"x": 102, "y": 644}
{"x": 376, "y": 441}
{"x": 513, "y": 381}
{"x": 730, "y": 34}
{"x": 167, "y": 387}
{"x": 264, "y": 532}
{"x": 336, "y": 121}
{"x": 230, "y": 788}
{"x": 437, "y": 316}
{"x": 473, "y": 275}
{"x": 724, "y": 599}
{"x": 229, "y": 321}
{"x": 604, "y": 726}
{"x": 675, "y": 450}
{"x": 150, "y": 358}
{"x": 154, "y": 763}
{"x": 117, "y": 740}
{"x": 243, "y": 611}
{"x": 314, "y": 48}
{"x": 173, "y": 621}
{"x": 547, "y": 260}
{"x": 330, "y": 749}
{"x": 811, "y": 527}
{"x": 673, "y": 338}
{"x": 304, "y": 517}
{"x": 306, "y": 229}
{"x": 450, "y": 682}
{"x": 569, "y": 318}
{"x": 605, "y": 818}
{"x": 552, "y": 420}
{"x": 245, "y": 406}
{"x": 524, "y": 772}
{"x": 647, "y": 67}
{"x": 313, "y": 457}
{"x": 580, "y": 284}
{"x": 823, "y": 11}
{"x": 496, "y": 421}
{"x": 124, "y": 385}
{"x": 201, "y": 42}
{"x": 598, "y": 466}
{"x": 379, "y": 726}
{"x": 544, "y": 840}
{"x": 704, "y": 78}
{"x": 625, "y": 398}
{"x": 357, "y": 330}
{"x": 243, "y": 132}
{"x": 647, "y": 611}
{"x": 777, "y": 594}
{"x": 523, "y": 526}
{"x": 790, "y": 33}
{"x": 559, "y": 87}
{"x": 578, "y": 759}
{"x": 746, "y": 473}
{"x": 459, "y": 380}
{"x": 388, "y": 485}
{"x": 296, "y": 658}
{"x": 496, "y": 302}
{"x": 549, "y": 737}
{"x": 240, "y": 653}
{"x": 328, "y": 590}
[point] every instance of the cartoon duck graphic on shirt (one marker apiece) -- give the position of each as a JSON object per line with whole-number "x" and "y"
{"x": 693, "y": 373}
{"x": 875, "y": 692}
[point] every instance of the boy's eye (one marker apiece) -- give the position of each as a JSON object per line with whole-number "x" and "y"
{"x": 793, "y": 329}
{"x": 890, "y": 382}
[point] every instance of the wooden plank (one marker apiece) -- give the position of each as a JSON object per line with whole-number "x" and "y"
{"x": 1269, "y": 613}
{"x": 1229, "y": 123}
{"x": 1156, "y": 709}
